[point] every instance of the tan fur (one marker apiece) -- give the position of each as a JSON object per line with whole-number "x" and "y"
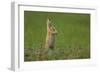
{"x": 51, "y": 33}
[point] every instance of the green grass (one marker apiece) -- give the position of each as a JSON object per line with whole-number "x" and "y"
{"x": 72, "y": 40}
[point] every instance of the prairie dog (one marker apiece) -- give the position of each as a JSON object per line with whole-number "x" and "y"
{"x": 50, "y": 36}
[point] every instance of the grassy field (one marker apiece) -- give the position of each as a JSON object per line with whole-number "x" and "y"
{"x": 72, "y": 40}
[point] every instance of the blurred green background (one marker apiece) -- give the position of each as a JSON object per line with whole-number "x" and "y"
{"x": 73, "y": 34}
